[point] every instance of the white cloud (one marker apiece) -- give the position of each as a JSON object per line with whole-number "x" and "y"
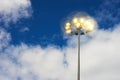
{"x": 100, "y": 60}
{"x": 100, "y": 56}
{"x": 12, "y": 10}
{"x": 4, "y": 38}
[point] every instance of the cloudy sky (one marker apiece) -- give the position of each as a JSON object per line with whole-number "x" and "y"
{"x": 33, "y": 45}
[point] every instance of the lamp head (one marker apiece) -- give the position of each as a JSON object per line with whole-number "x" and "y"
{"x": 68, "y": 26}
{"x": 75, "y": 20}
{"x": 89, "y": 25}
{"x": 80, "y": 22}
{"x": 69, "y": 31}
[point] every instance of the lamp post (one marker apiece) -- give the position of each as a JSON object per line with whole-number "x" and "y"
{"x": 80, "y": 26}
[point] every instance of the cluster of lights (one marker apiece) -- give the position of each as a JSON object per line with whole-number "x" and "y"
{"x": 87, "y": 24}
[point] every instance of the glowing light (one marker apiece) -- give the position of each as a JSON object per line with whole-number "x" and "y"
{"x": 68, "y": 24}
{"x": 67, "y": 27}
{"x": 89, "y": 26}
{"x": 82, "y": 20}
{"x": 69, "y": 31}
{"x": 75, "y": 20}
{"x": 78, "y": 26}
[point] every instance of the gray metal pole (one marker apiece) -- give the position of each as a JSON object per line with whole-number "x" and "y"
{"x": 78, "y": 55}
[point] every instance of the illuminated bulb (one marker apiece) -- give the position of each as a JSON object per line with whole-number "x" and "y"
{"x": 89, "y": 26}
{"x": 89, "y": 29}
{"x": 69, "y": 31}
{"x": 68, "y": 24}
{"x": 77, "y": 25}
{"x": 67, "y": 27}
{"x": 82, "y": 20}
{"x": 75, "y": 20}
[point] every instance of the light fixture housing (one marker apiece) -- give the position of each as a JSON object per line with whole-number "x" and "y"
{"x": 80, "y": 23}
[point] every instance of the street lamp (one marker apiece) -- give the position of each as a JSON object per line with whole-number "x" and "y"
{"x": 80, "y": 25}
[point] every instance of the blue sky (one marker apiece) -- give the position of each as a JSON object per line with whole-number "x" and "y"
{"x": 46, "y": 18}
{"x": 34, "y": 47}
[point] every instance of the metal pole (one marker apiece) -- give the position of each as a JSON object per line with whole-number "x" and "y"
{"x": 78, "y": 55}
